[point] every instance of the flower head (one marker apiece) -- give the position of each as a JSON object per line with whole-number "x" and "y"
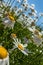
{"x": 20, "y": 46}
{"x": 32, "y": 6}
{"x": 13, "y": 35}
{"x": 18, "y": 1}
{"x": 8, "y": 21}
{"x": 9, "y": 15}
{"x": 40, "y": 14}
{"x": 37, "y": 40}
{"x": 3, "y": 52}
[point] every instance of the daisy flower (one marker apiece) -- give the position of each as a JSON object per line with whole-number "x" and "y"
{"x": 37, "y": 40}
{"x": 19, "y": 45}
{"x": 32, "y": 6}
{"x": 35, "y": 31}
{"x": 18, "y": 1}
{"x": 4, "y": 56}
{"x": 40, "y": 14}
{"x": 25, "y": 0}
{"x": 9, "y": 21}
{"x": 37, "y": 36}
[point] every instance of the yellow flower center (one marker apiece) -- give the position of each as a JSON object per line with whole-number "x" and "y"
{"x": 13, "y": 35}
{"x": 3, "y": 52}
{"x": 20, "y": 46}
{"x": 11, "y": 17}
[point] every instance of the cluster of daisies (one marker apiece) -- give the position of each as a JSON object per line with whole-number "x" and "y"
{"x": 27, "y": 16}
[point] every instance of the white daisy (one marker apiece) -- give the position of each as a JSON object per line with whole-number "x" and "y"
{"x": 40, "y": 14}
{"x": 18, "y": 1}
{"x": 37, "y": 36}
{"x": 19, "y": 45}
{"x": 37, "y": 40}
{"x": 9, "y": 21}
{"x": 4, "y": 56}
{"x": 25, "y": 0}
{"x": 35, "y": 31}
{"x": 5, "y": 61}
{"x": 32, "y": 29}
{"x": 32, "y": 6}
{"x": 35, "y": 15}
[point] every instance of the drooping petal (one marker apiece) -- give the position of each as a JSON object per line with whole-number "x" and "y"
{"x": 24, "y": 52}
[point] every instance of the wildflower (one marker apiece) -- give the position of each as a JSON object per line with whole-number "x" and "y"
{"x": 35, "y": 15}
{"x": 32, "y": 29}
{"x": 30, "y": 14}
{"x": 15, "y": 8}
{"x": 35, "y": 31}
{"x": 32, "y": 6}
{"x": 26, "y": 40}
{"x": 9, "y": 21}
{"x": 20, "y": 10}
{"x": 33, "y": 24}
{"x": 20, "y": 46}
{"x": 18, "y": 1}
{"x": 37, "y": 40}
{"x": 42, "y": 32}
{"x": 25, "y": 5}
{"x": 41, "y": 14}
{"x": 37, "y": 36}
{"x": 28, "y": 21}
{"x": 3, "y": 52}
{"x": 25, "y": 0}
{"x": 4, "y": 56}
{"x": 13, "y": 35}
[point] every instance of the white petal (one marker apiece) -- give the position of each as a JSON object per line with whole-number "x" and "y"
{"x": 14, "y": 40}
{"x": 19, "y": 40}
{"x": 14, "y": 47}
{"x": 7, "y": 61}
{"x": 24, "y": 52}
{"x": 6, "y": 21}
{"x": 16, "y": 44}
{"x": 32, "y": 5}
{"x": 31, "y": 29}
{"x": 35, "y": 11}
{"x": 4, "y": 61}
{"x": 25, "y": 45}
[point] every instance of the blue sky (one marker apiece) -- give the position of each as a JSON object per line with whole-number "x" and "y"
{"x": 38, "y": 7}
{"x": 38, "y": 4}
